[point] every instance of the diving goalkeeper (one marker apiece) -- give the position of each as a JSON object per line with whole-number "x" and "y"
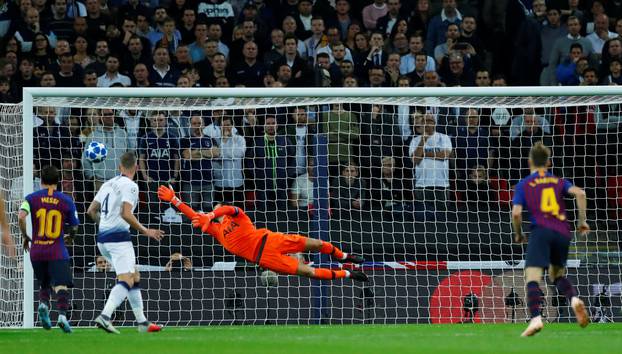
{"x": 237, "y": 234}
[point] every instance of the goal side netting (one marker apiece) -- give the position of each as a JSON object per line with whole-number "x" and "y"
{"x": 419, "y": 184}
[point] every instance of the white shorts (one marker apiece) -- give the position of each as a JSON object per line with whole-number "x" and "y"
{"x": 120, "y": 255}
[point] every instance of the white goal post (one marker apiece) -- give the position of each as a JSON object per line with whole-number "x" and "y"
{"x": 414, "y": 259}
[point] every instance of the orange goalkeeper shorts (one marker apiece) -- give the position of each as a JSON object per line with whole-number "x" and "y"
{"x": 273, "y": 256}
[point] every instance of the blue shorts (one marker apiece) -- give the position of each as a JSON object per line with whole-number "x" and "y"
{"x": 53, "y": 273}
{"x": 546, "y": 247}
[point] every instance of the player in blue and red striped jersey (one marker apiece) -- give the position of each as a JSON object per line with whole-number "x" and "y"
{"x": 50, "y": 210}
{"x": 542, "y": 194}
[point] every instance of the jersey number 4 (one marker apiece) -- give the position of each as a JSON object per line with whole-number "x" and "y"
{"x": 50, "y": 223}
{"x": 548, "y": 202}
{"x": 105, "y": 205}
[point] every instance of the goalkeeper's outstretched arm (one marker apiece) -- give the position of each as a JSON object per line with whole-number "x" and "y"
{"x": 167, "y": 194}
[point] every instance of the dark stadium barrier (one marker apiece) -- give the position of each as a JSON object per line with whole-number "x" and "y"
{"x": 401, "y": 296}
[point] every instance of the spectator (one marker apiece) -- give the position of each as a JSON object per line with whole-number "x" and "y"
{"x": 250, "y": 71}
{"x": 350, "y": 81}
{"x": 611, "y": 50}
{"x": 115, "y": 139}
{"x": 561, "y": 48}
{"x": 601, "y": 33}
{"x": 24, "y": 78}
{"x": 270, "y": 160}
{"x": 196, "y": 48}
{"x": 458, "y": 75}
{"x": 47, "y": 80}
{"x": 430, "y": 79}
{"x": 348, "y": 191}
{"x": 430, "y": 153}
{"x": 615, "y": 76}
{"x": 325, "y": 73}
{"x": 198, "y": 154}
{"x": 82, "y": 55}
{"x": 452, "y": 35}
{"x": 439, "y": 23}
{"x": 299, "y": 132}
{"x": 300, "y": 69}
{"x": 471, "y": 144}
{"x": 482, "y": 78}
{"x": 335, "y": 49}
{"x": 165, "y": 36}
{"x": 159, "y": 161}
{"x": 249, "y": 29}
{"x": 379, "y": 136}
{"x": 596, "y": 10}
{"x": 95, "y": 18}
{"x": 532, "y": 132}
{"x": 177, "y": 261}
{"x": 101, "y": 56}
{"x": 420, "y": 17}
{"x": 408, "y": 61}
{"x": 304, "y": 20}
{"x": 27, "y": 31}
{"x": 342, "y": 128}
{"x": 392, "y": 69}
{"x": 417, "y": 75}
{"x": 162, "y": 74}
{"x": 373, "y": 12}
{"x": 391, "y": 193}
{"x": 46, "y": 139}
{"x": 347, "y": 68}
{"x": 386, "y": 23}
{"x": 552, "y": 29}
{"x": 524, "y": 122}
{"x": 217, "y": 11}
{"x": 134, "y": 53}
{"x": 289, "y": 27}
{"x": 469, "y": 35}
{"x": 141, "y": 76}
{"x": 567, "y": 74}
{"x": 317, "y": 40}
{"x": 344, "y": 18}
{"x": 132, "y": 122}
{"x": 112, "y": 74}
{"x": 188, "y": 22}
{"x": 399, "y": 41}
{"x": 301, "y": 194}
{"x": 228, "y": 170}
{"x": 214, "y": 130}
{"x": 66, "y": 75}
{"x": 278, "y": 47}
{"x": 58, "y": 21}
{"x": 590, "y": 77}
{"x": 376, "y": 77}
{"x": 478, "y": 191}
{"x": 102, "y": 265}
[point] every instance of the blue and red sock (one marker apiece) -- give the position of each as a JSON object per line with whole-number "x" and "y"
{"x": 62, "y": 301}
{"x": 564, "y": 286}
{"x": 534, "y": 298}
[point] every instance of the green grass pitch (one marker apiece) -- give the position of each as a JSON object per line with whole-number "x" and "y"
{"x": 343, "y": 339}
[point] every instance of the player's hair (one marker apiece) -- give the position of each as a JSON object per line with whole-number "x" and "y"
{"x": 49, "y": 175}
{"x": 539, "y": 154}
{"x": 128, "y": 160}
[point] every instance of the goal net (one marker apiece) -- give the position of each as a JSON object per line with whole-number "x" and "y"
{"x": 418, "y": 182}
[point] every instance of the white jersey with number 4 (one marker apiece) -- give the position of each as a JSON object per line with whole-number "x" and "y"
{"x": 111, "y": 196}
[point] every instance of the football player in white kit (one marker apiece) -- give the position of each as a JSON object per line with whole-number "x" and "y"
{"x": 113, "y": 209}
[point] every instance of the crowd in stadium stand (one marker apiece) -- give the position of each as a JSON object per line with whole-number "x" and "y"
{"x": 376, "y": 152}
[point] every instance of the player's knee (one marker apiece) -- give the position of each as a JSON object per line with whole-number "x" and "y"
{"x": 313, "y": 244}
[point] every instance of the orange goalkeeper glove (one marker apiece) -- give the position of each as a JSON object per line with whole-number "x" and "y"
{"x": 203, "y": 220}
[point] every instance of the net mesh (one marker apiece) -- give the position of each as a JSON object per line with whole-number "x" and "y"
{"x": 11, "y": 180}
{"x": 434, "y": 228}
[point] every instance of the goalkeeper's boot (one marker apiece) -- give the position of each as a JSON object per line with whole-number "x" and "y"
{"x": 64, "y": 324}
{"x": 106, "y": 325}
{"x": 44, "y": 316}
{"x": 148, "y": 327}
{"x": 358, "y": 275}
{"x": 580, "y": 312}
{"x": 351, "y": 258}
{"x": 535, "y": 326}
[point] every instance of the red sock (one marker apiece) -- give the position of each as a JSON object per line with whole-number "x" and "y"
{"x": 327, "y": 274}
{"x": 328, "y": 248}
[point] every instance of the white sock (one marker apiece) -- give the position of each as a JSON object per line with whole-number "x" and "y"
{"x": 116, "y": 298}
{"x": 136, "y": 301}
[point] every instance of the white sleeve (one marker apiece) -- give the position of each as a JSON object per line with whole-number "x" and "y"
{"x": 129, "y": 193}
{"x": 98, "y": 196}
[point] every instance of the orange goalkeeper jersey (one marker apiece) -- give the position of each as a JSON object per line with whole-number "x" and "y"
{"x": 236, "y": 233}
